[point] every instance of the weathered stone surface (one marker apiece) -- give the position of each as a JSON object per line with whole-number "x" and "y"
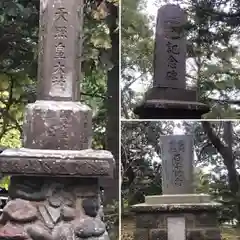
{"x": 60, "y": 34}
{"x": 158, "y": 234}
{"x": 150, "y": 220}
{"x": 170, "y": 48}
{"x": 91, "y": 206}
{"x": 57, "y": 125}
{"x": 176, "y": 227}
{"x": 212, "y": 234}
{"x": 176, "y": 208}
{"x": 170, "y": 109}
{"x": 36, "y": 188}
{"x": 68, "y": 213}
{"x": 157, "y": 221}
{"x": 38, "y": 232}
{"x": 195, "y": 235}
{"x": 193, "y": 220}
{"x": 27, "y": 188}
{"x": 177, "y": 164}
{"x": 141, "y": 234}
{"x": 171, "y": 93}
{"x": 204, "y": 234}
{"x": 89, "y": 227}
{"x": 56, "y": 162}
{"x": 91, "y": 189}
{"x": 20, "y": 211}
{"x": 190, "y": 220}
{"x": 13, "y": 232}
{"x": 177, "y": 198}
{"x": 206, "y": 219}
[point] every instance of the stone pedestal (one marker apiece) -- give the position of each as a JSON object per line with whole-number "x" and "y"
{"x": 200, "y": 220}
{"x": 170, "y": 103}
{"x": 178, "y": 214}
{"x": 54, "y": 193}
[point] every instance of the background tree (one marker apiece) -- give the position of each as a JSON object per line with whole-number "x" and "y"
{"x": 141, "y": 174}
{"x": 136, "y": 54}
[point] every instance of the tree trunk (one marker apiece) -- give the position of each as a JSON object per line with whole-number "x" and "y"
{"x": 111, "y": 187}
{"x": 228, "y": 158}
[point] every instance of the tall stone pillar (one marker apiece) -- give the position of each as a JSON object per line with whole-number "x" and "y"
{"x": 54, "y": 190}
{"x": 169, "y": 98}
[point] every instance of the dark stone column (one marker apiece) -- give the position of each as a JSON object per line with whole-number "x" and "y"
{"x": 169, "y": 98}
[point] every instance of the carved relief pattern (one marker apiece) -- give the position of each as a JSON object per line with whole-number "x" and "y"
{"x": 54, "y": 216}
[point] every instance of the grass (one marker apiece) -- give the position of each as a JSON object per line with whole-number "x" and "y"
{"x": 229, "y": 233}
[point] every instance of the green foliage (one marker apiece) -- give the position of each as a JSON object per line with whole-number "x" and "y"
{"x": 215, "y": 178}
{"x": 136, "y": 52}
{"x": 4, "y": 182}
{"x": 140, "y": 156}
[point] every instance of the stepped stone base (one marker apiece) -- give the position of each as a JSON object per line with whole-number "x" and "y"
{"x": 168, "y": 103}
{"x": 54, "y": 194}
{"x": 177, "y": 198}
{"x": 200, "y": 220}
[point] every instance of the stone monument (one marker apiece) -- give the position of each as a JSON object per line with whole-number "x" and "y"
{"x": 169, "y": 98}
{"x": 54, "y": 190}
{"x": 179, "y": 213}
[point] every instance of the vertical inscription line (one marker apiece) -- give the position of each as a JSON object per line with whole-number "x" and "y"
{"x": 59, "y": 49}
{"x": 170, "y": 48}
{"x": 177, "y": 164}
{"x": 58, "y": 84}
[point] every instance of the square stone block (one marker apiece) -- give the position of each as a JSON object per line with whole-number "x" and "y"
{"x": 213, "y": 234}
{"x": 150, "y": 220}
{"x": 141, "y": 234}
{"x": 190, "y": 220}
{"x": 57, "y": 125}
{"x": 158, "y": 234}
{"x": 195, "y": 235}
{"x": 206, "y": 219}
